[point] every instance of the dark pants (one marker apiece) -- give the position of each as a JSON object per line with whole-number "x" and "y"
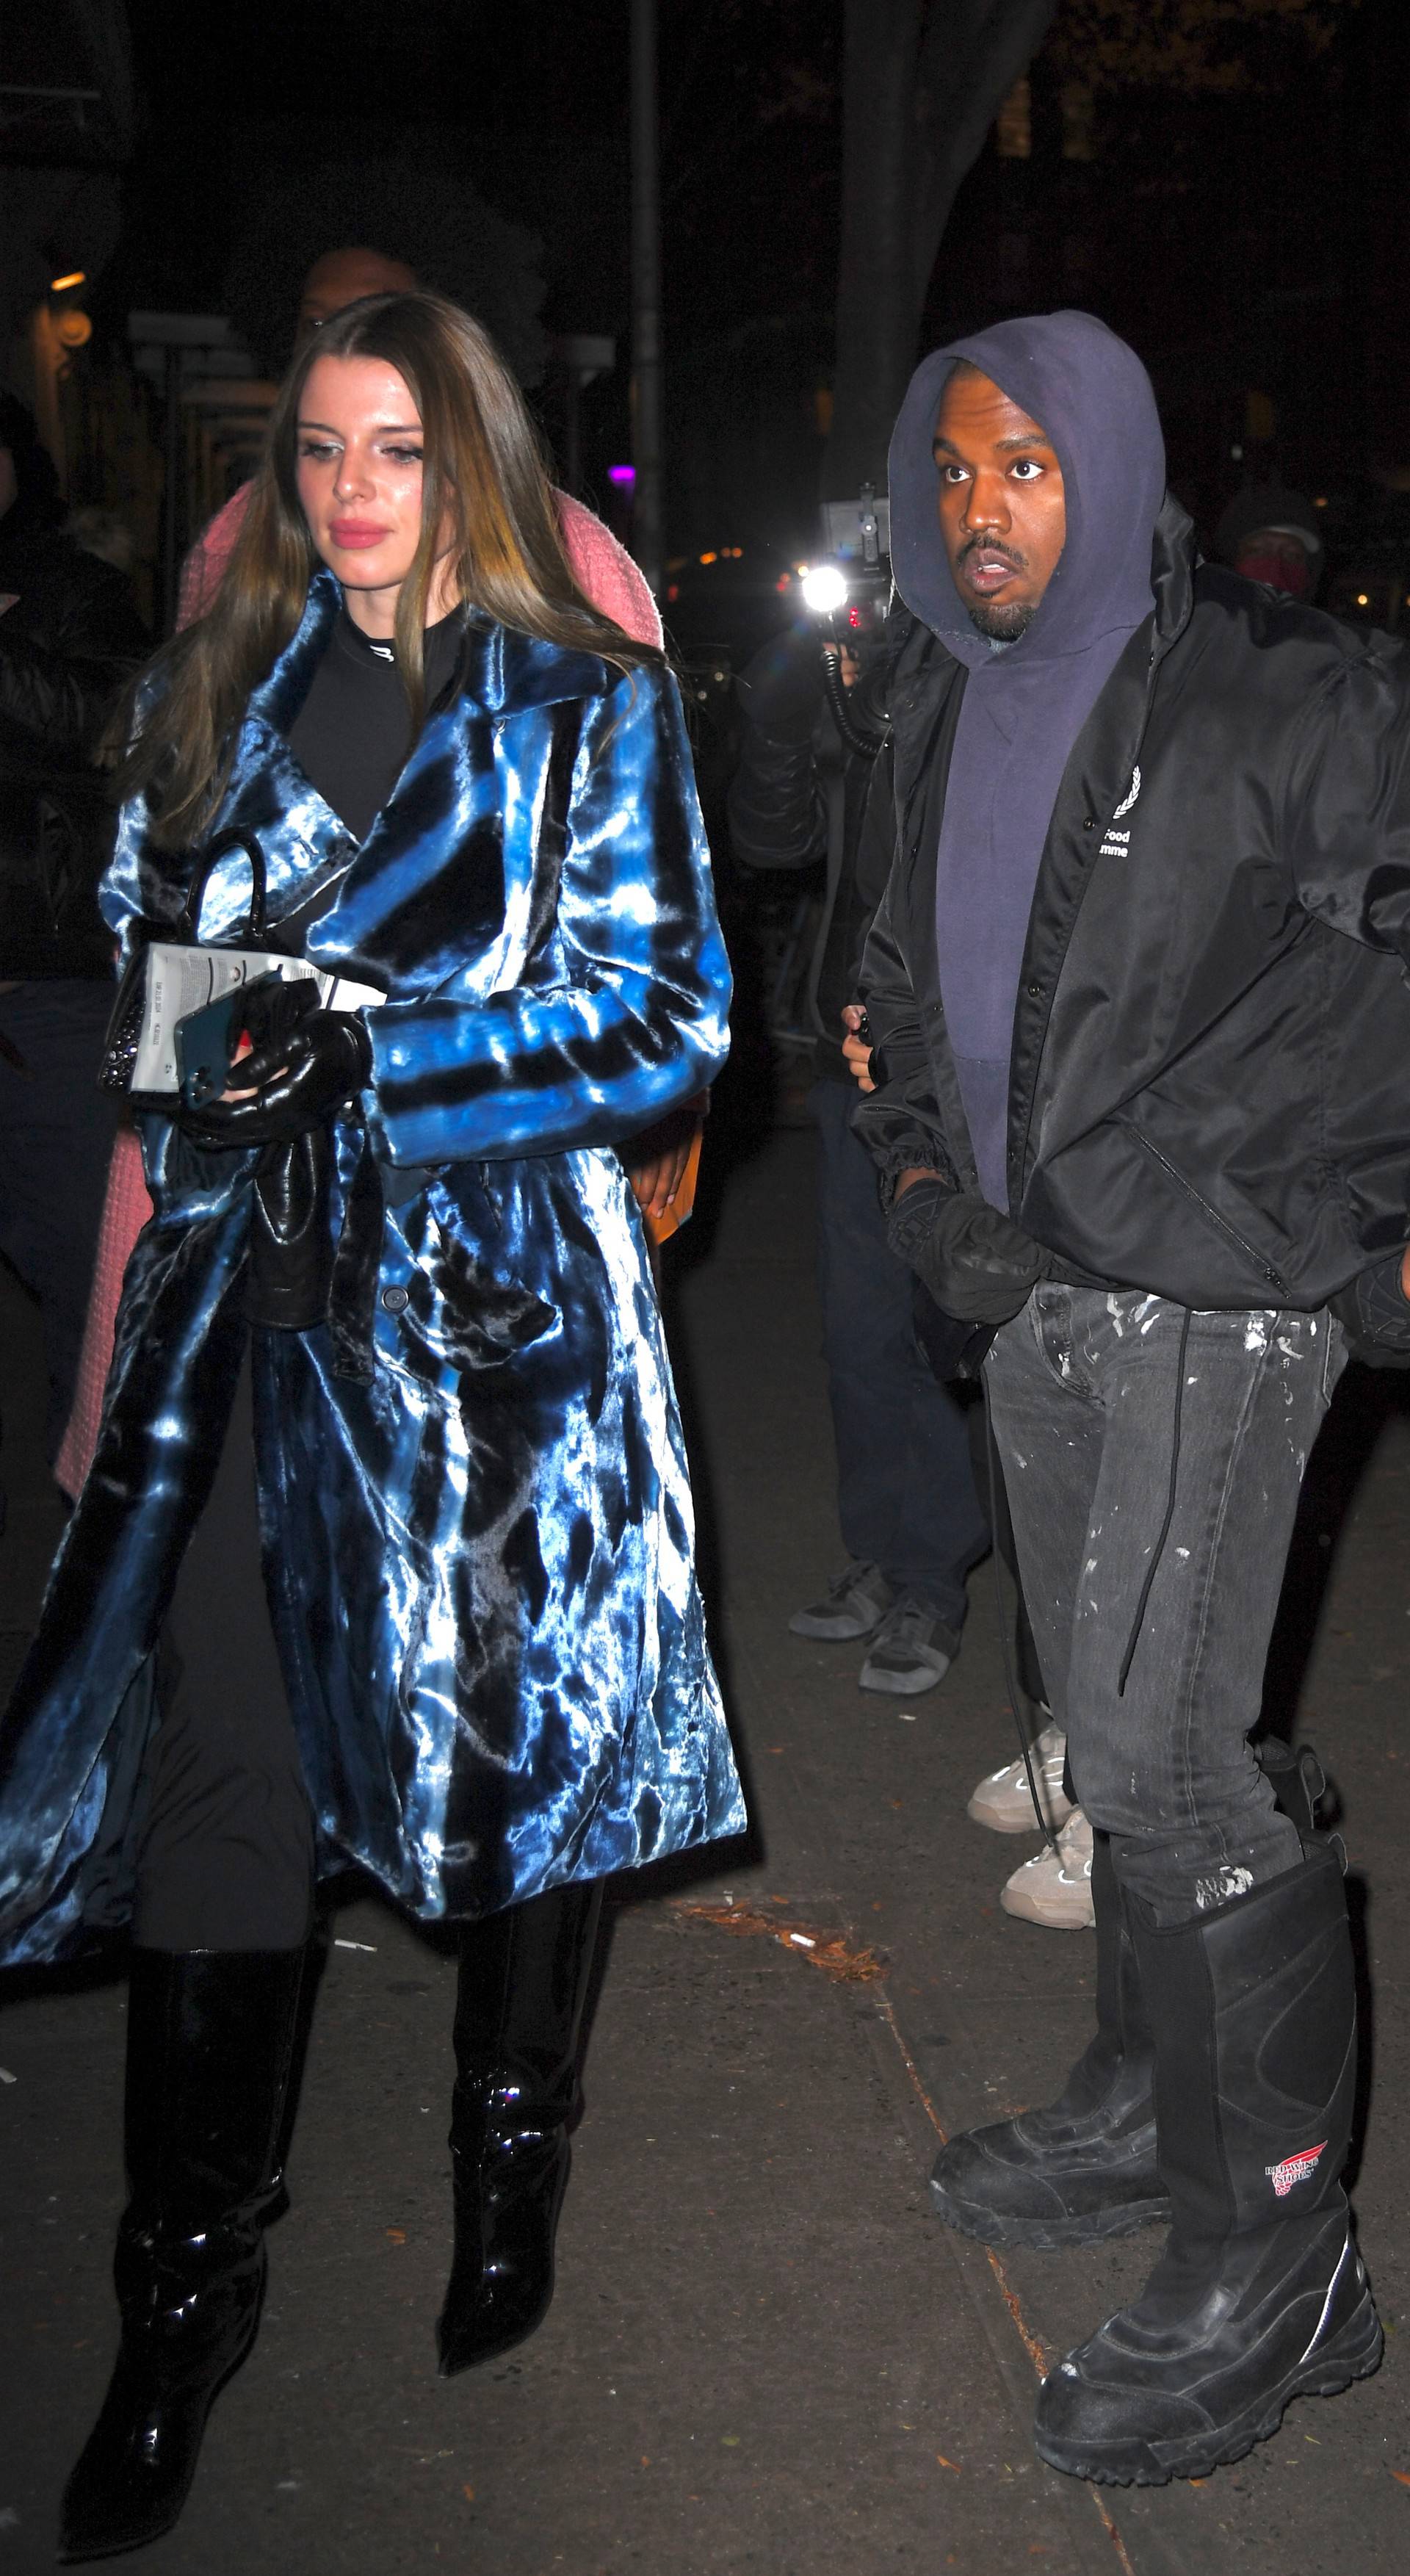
{"x": 905, "y": 1485}
{"x": 1082, "y": 1388}
{"x": 225, "y": 1860}
{"x": 56, "y": 1141}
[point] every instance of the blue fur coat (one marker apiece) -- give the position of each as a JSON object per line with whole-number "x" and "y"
{"x": 474, "y": 1501}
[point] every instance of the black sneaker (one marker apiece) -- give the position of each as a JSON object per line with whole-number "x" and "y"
{"x": 911, "y": 1651}
{"x": 856, "y": 1601}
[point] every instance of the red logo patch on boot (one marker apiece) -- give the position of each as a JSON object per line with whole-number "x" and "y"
{"x": 1294, "y": 2169}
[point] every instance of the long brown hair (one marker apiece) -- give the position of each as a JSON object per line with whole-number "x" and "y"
{"x": 483, "y": 478}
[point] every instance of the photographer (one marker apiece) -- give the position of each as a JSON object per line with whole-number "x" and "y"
{"x": 910, "y": 1516}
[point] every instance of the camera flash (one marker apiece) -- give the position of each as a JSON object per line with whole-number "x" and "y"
{"x": 824, "y": 589}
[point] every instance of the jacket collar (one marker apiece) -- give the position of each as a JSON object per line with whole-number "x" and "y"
{"x": 503, "y": 671}
{"x": 1174, "y": 558}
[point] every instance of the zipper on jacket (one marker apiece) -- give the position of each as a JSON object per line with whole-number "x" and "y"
{"x": 1221, "y": 1224}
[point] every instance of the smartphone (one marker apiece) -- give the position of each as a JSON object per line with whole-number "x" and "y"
{"x": 206, "y": 1041}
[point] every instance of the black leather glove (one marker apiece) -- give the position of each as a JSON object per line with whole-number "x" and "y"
{"x": 297, "y": 1081}
{"x": 978, "y": 1265}
{"x": 1375, "y": 1315}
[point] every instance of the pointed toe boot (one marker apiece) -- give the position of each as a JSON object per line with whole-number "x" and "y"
{"x": 1260, "y": 2295}
{"x": 1084, "y": 2169}
{"x": 523, "y": 1981}
{"x": 210, "y": 2035}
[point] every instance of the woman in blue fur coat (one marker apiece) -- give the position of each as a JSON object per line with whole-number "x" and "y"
{"x": 390, "y": 1495}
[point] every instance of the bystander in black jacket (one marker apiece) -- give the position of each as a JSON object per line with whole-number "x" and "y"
{"x": 68, "y": 640}
{"x": 797, "y": 799}
{"x": 1211, "y": 1053}
{"x": 908, "y": 1509}
{"x": 69, "y": 635}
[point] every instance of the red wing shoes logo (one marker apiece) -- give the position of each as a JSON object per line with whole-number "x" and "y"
{"x": 1294, "y": 2169}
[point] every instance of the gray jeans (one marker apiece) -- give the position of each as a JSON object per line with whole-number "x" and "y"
{"x": 1082, "y": 1391}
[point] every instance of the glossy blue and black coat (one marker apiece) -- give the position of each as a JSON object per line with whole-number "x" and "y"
{"x": 473, "y": 1493}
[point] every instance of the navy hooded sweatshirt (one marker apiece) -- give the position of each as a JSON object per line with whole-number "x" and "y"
{"x": 1025, "y": 703}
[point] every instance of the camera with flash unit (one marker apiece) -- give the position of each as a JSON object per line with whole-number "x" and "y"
{"x": 848, "y": 589}
{"x": 847, "y": 592}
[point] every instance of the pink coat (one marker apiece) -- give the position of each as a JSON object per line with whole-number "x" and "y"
{"x": 605, "y": 572}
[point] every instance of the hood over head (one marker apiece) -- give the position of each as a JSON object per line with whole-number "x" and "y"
{"x": 1094, "y": 399}
{"x": 1024, "y": 703}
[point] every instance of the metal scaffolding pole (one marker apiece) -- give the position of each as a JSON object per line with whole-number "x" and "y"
{"x": 649, "y": 511}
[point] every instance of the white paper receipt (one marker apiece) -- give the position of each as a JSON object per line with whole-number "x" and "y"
{"x": 183, "y": 980}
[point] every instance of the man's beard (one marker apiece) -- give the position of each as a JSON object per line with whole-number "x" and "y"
{"x": 1002, "y": 625}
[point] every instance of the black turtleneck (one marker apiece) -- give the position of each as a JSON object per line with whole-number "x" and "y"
{"x": 352, "y": 737}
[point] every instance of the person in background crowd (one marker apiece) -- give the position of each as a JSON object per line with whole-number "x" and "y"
{"x": 104, "y": 533}
{"x": 1141, "y": 1024}
{"x": 69, "y": 636}
{"x": 1269, "y": 533}
{"x": 397, "y": 1483}
{"x": 606, "y": 575}
{"x": 911, "y": 1520}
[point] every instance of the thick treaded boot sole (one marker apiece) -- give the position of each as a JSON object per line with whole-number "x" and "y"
{"x": 1048, "y": 2235}
{"x": 1353, "y": 2353}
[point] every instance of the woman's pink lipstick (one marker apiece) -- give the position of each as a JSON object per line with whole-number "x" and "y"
{"x": 357, "y": 532}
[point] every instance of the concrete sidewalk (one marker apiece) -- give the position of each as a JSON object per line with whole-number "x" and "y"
{"x": 765, "y": 2355}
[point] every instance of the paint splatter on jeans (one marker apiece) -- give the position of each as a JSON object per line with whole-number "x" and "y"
{"x": 1082, "y": 1386}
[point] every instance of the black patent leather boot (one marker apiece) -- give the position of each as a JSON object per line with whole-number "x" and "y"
{"x": 1260, "y": 2295}
{"x": 523, "y": 1980}
{"x": 209, "y": 2040}
{"x": 1085, "y": 2169}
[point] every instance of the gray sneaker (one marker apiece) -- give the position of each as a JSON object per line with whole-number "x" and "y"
{"x": 911, "y": 1651}
{"x": 855, "y": 1602}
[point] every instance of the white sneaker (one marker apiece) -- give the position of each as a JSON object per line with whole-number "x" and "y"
{"x": 1056, "y": 1888}
{"x": 1004, "y": 1802}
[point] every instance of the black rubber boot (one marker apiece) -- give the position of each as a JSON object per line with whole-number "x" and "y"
{"x": 1260, "y": 2295}
{"x": 523, "y": 1980}
{"x": 209, "y": 2039}
{"x": 1085, "y": 2169}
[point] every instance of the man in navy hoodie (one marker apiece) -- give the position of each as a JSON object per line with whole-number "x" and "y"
{"x": 1141, "y": 1033}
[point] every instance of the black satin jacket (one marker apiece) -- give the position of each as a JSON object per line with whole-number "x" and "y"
{"x": 1210, "y": 1085}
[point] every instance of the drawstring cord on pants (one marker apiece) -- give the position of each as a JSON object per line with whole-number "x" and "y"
{"x": 1018, "y": 1699}
{"x": 1134, "y": 1639}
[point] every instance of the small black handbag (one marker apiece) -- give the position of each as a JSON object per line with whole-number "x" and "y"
{"x": 172, "y": 974}
{"x": 167, "y": 978}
